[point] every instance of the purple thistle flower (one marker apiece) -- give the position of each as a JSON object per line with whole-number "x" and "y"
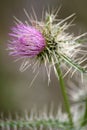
{"x": 48, "y": 43}
{"x": 26, "y": 41}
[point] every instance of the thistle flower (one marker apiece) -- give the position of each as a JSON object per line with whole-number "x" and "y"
{"x": 47, "y": 42}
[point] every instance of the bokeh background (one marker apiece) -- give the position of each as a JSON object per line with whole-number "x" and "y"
{"x": 15, "y": 94}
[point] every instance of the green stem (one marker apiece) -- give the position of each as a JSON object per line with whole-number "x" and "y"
{"x": 65, "y": 97}
{"x": 85, "y": 116}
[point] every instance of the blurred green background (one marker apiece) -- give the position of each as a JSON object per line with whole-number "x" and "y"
{"x": 15, "y": 93}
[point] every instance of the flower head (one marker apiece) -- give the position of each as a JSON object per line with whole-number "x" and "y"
{"x": 48, "y": 42}
{"x": 26, "y": 41}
